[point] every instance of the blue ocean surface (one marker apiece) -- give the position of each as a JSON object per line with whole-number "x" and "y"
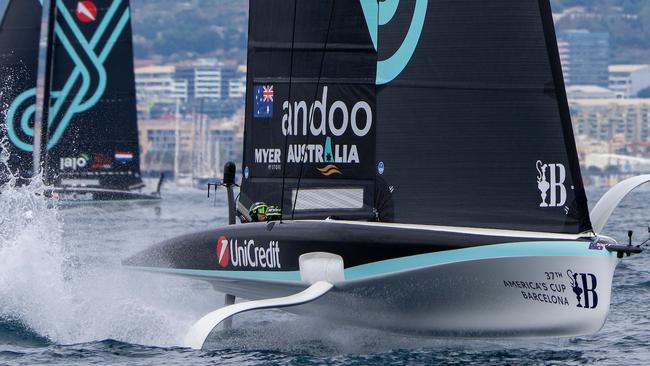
{"x": 66, "y": 300}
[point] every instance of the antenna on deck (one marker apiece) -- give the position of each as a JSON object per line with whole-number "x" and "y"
{"x": 228, "y": 181}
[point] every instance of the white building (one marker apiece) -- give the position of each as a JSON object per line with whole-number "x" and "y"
{"x": 158, "y": 82}
{"x": 628, "y": 80}
{"x": 589, "y": 92}
{"x": 565, "y": 59}
{"x": 207, "y": 81}
{"x": 204, "y": 79}
{"x": 609, "y": 119}
{"x": 237, "y": 88}
{"x": 624, "y": 163}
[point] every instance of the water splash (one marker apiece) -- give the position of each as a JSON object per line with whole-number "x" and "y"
{"x": 31, "y": 257}
{"x": 51, "y": 287}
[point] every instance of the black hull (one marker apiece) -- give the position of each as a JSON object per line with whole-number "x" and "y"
{"x": 71, "y": 196}
{"x": 281, "y": 244}
{"x": 436, "y": 281}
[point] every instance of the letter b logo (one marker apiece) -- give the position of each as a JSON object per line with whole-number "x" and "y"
{"x": 590, "y": 296}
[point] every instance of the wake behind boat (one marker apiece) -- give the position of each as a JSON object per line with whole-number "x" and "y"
{"x": 88, "y": 150}
{"x": 427, "y": 173}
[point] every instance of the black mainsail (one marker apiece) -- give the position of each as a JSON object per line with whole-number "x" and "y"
{"x": 89, "y": 96}
{"x": 20, "y": 29}
{"x": 92, "y": 136}
{"x": 315, "y": 66}
{"x": 439, "y": 112}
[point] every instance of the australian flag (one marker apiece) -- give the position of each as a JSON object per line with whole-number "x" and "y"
{"x": 263, "y": 106}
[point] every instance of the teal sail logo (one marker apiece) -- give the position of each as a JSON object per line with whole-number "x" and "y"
{"x": 380, "y": 12}
{"x": 85, "y": 85}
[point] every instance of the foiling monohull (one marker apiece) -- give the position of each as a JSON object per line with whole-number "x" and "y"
{"x": 88, "y": 149}
{"x": 423, "y": 155}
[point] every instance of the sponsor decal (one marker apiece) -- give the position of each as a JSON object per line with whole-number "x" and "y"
{"x": 246, "y": 172}
{"x": 263, "y": 106}
{"x": 379, "y": 13}
{"x": 329, "y": 170}
{"x": 223, "y": 251}
{"x": 271, "y": 157}
{"x": 584, "y": 287}
{"x": 550, "y": 182}
{"x": 73, "y": 164}
{"x": 540, "y": 291}
{"x": 549, "y": 289}
{"x": 102, "y": 161}
{"x": 553, "y": 288}
{"x": 327, "y": 119}
{"x": 247, "y": 254}
{"x": 268, "y": 156}
{"x": 380, "y": 168}
{"x": 321, "y": 119}
{"x": 86, "y": 11}
{"x": 123, "y": 156}
{"x": 325, "y": 131}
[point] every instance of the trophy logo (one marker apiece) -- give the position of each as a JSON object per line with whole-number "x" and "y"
{"x": 542, "y": 184}
{"x": 551, "y": 185}
{"x": 584, "y": 287}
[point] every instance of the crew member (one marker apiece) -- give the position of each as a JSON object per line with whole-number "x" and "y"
{"x": 273, "y": 213}
{"x": 257, "y": 212}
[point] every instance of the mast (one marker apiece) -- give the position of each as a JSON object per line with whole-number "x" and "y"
{"x": 177, "y": 140}
{"x": 41, "y": 126}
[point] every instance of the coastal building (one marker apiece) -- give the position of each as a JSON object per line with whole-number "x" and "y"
{"x": 628, "y": 80}
{"x": 625, "y": 120}
{"x": 237, "y": 88}
{"x": 158, "y": 82}
{"x": 203, "y": 78}
{"x": 589, "y": 92}
{"x": 228, "y": 74}
{"x": 204, "y": 145}
{"x": 206, "y": 86}
{"x": 585, "y": 56}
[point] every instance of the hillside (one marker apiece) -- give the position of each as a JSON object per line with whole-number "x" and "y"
{"x": 627, "y": 21}
{"x": 184, "y": 28}
{"x": 176, "y": 29}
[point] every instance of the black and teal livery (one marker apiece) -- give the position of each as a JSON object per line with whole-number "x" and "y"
{"x": 89, "y": 101}
{"x": 425, "y": 149}
{"x": 448, "y": 106}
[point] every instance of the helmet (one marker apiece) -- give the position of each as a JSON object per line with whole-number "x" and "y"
{"x": 273, "y": 213}
{"x": 258, "y": 208}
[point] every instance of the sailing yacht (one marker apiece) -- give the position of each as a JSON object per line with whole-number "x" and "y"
{"x": 88, "y": 149}
{"x": 423, "y": 156}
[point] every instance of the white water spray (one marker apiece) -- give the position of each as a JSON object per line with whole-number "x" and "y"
{"x": 50, "y": 284}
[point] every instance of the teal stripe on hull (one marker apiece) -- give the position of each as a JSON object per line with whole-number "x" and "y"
{"x": 511, "y": 250}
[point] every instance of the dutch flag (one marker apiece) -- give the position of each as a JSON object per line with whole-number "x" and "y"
{"x": 123, "y": 156}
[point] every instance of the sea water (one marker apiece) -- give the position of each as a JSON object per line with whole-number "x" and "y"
{"x": 65, "y": 299}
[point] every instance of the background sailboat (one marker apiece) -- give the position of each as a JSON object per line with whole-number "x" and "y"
{"x": 90, "y": 150}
